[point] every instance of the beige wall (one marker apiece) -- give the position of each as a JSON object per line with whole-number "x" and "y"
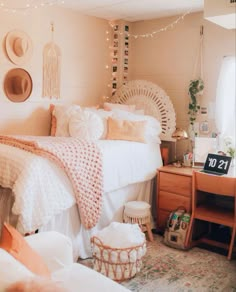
{"x": 85, "y": 53}
{"x": 168, "y": 59}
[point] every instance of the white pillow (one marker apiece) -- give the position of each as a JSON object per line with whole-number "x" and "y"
{"x": 11, "y": 270}
{"x": 86, "y": 125}
{"x": 104, "y": 115}
{"x": 153, "y": 127}
{"x": 63, "y": 114}
{"x": 111, "y": 106}
{"x": 139, "y": 112}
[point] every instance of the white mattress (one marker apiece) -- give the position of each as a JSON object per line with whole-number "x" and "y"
{"x": 125, "y": 162}
{"x": 43, "y": 190}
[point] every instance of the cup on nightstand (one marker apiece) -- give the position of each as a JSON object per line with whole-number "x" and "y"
{"x": 188, "y": 159}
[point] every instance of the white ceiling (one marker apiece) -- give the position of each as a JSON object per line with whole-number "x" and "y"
{"x": 134, "y": 10}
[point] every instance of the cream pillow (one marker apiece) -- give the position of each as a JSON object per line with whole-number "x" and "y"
{"x": 62, "y": 114}
{"x": 111, "y": 106}
{"x": 153, "y": 127}
{"x": 86, "y": 125}
{"x": 126, "y": 130}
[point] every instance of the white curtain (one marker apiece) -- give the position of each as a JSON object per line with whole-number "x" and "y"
{"x": 225, "y": 100}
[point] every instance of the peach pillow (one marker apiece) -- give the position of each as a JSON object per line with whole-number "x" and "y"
{"x": 126, "y": 130}
{"x": 53, "y": 121}
{"x": 14, "y": 243}
{"x": 126, "y": 107}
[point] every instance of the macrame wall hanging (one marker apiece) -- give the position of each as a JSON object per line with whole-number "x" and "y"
{"x": 51, "y": 68}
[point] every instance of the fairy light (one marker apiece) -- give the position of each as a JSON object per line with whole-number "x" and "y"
{"x": 154, "y": 32}
{"x": 9, "y": 6}
{"x": 108, "y": 67}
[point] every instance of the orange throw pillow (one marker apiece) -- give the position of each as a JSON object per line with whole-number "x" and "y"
{"x": 14, "y": 243}
{"x": 53, "y": 121}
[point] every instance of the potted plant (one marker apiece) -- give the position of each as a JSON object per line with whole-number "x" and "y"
{"x": 229, "y": 148}
{"x": 196, "y": 87}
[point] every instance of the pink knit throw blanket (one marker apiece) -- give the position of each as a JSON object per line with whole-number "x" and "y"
{"x": 82, "y": 162}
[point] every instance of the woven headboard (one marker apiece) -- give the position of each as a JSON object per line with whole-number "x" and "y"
{"x": 152, "y": 99}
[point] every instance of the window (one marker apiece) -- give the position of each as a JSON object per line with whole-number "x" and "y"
{"x": 225, "y": 115}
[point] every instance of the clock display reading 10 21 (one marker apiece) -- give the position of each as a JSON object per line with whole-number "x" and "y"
{"x": 220, "y": 164}
{"x": 217, "y": 163}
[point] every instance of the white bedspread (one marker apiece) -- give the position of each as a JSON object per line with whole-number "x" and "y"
{"x": 43, "y": 190}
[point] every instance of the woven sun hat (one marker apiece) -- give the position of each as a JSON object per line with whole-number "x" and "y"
{"x": 19, "y": 47}
{"x": 17, "y": 85}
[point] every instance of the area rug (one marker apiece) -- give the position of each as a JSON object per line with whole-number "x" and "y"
{"x": 168, "y": 269}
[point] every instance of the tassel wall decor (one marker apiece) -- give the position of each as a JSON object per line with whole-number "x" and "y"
{"x": 51, "y": 69}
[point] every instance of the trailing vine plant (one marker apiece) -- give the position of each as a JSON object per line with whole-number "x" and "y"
{"x": 196, "y": 87}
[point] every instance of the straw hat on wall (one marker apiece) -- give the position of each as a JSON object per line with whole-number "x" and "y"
{"x": 19, "y": 47}
{"x": 17, "y": 85}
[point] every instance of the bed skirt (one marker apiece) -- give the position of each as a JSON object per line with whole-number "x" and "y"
{"x": 68, "y": 222}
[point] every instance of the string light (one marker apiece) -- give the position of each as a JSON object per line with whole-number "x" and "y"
{"x": 154, "y": 32}
{"x": 26, "y": 5}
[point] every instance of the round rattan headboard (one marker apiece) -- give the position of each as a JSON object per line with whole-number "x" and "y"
{"x": 152, "y": 99}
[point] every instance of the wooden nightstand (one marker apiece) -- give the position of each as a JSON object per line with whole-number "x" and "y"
{"x": 174, "y": 189}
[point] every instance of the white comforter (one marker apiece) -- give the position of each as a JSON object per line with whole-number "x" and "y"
{"x": 42, "y": 189}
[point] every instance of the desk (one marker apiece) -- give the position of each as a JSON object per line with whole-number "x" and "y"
{"x": 174, "y": 189}
{"x": 232, "y": 171}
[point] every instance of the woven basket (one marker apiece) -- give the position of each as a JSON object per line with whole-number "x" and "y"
{"x": 119, "y": 264}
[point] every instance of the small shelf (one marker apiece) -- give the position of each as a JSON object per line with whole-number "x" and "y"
{"x": 215, "y": 214}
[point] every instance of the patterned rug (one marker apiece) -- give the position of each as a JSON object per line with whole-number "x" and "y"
{"x": 168, "y": 269}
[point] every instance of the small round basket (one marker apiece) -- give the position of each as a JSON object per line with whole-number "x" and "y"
{"x": 119, "y": 264}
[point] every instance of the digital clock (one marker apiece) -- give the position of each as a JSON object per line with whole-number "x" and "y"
{"x": 217, "y": 164}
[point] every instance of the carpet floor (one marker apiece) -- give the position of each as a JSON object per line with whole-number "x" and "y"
{"x": 168, "y": 269}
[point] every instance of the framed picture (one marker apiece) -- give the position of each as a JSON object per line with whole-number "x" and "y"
{"x": 204, "y": 127}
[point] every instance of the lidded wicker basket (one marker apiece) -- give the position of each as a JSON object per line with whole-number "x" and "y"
{"x": 123, "y": 261}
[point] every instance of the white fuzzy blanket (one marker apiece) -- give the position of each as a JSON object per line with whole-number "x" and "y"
{"x": 80, "y": 159}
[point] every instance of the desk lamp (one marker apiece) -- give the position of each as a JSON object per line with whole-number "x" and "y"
{"x": 179, "y": 134}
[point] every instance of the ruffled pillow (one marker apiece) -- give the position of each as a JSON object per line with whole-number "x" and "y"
{"x": 104, "y": 115}
{"x": 86, "y": 125}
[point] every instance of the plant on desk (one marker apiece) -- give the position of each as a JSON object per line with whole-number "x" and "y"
{"x": 229, "y": 147}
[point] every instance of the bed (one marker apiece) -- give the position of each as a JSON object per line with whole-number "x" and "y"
{"x": 38, "y": 195}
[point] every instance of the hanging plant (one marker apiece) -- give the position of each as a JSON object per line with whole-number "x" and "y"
{"x": 196, "y": 87}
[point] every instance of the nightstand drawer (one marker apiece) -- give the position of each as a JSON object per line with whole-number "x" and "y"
{"x": 169, "y": 201}
{"x": 174, "y": 183}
